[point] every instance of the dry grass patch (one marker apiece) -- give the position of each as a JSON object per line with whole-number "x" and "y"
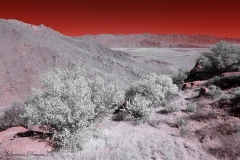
{"x": 123, "y": 141}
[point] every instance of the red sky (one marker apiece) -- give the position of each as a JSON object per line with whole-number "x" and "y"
{"x": 78, "y": 17}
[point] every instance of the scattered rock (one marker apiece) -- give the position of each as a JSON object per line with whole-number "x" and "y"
{"x": 192, "y": 85}
{"x": 203, "y": 91}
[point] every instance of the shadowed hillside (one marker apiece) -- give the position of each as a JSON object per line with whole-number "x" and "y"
{"x": 26, "y": 51}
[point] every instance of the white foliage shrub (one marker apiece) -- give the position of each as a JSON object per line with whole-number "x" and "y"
{"x": 104, "y": 97}
{"x": 154, "y": 88}
{"x": 170, "y": 108}
{"x": 149, "y": 92}
{"x": 71, "y": 105}
{"x": 221, "y": 57}
{"x": 179, "y": 76}
{"x": 139, "y": 106}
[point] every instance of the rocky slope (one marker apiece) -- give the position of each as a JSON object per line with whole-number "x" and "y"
{"x": 26, "y": 51}
{"x": 157, "y": 40}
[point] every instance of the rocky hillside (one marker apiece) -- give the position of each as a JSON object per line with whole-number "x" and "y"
{"x": 157, "y": 40}
{"x": 26, "y": 51}
{"x": 215, "y": 80}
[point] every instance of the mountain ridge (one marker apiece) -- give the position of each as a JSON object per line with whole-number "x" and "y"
{"x": 27, "y": 51}
{"x": 157, "y": 40}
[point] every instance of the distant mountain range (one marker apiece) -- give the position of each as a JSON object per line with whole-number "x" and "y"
{"x": 157, "y": 40}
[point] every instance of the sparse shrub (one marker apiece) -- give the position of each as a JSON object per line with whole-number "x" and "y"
{"x": 169, "y": 109}
{"x": 179, "y": 77}
{"x": 228, "y": 136}
{"x": 139, "y": 106}
{"x": 235, "y": 89}
{"x": 225, "y": 82}
{"x": 225, "y": 100}
{"x": 164, "y": 103}
{"x": 147, "y": 93}
{"x": 181, "y": 122}
{"x": 184, "y": 131}
{"x": 226, "y": 97}
{"x": 70, "y": 105}
{"x": 214, "y": 91}
{"x": 236, "y": 92}
{"x": 11, "y": 117}
{"x": 204, "y": 116}
{"x": 104, "y": 97}
{"x": 191, "y": 107}
{"x": 235, "y": 111}
{"x": 122, "y": 116}
{"x": 154, "y": 88}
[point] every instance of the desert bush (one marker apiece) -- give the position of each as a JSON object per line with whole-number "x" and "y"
{"x": 236, "y": 89}
{"x": 11, "y": 117}
{"x": 235, "y": 111}
{"x": 169, "y": 109}
{"x": 204, "y": 116}
{"x": 225, "y": 82}
{"x": 191, "y": 107}
{"x": 225, "y": 100}
{"x": 221, "y": 57}
{"x": 122, "y": 116}
{"x": 224, "y": 57}
{"x": 104, "y": 97}
{"x": 70, "y": 105}
{"x": 236, "y": 93}
{"x": 147, "y": 93}
{"x": 226, "y": 97}
{"x": 181, "y": 122}
{"x": 214, "y": 91}
{"x": 164, "y": 103}
{"x": 179, "y": 77}
{"x": 154, "y": 88}
{"x": 229, "y": 138}
{"x": 139, "y": 106}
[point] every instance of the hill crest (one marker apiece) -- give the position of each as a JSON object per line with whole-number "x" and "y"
{"x": 157, "y": 40}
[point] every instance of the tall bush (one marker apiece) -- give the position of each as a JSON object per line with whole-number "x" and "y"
{"x": 10, "y": 117}
{"x": 105, "y": 97}
{"x": 214, "y": 91}
{"x": 70, "y": 105}
{"x": 221, "y": 57}
{"x": 154, "y": 88}
{"x": 139, "y": 106}
{"x": 149, "y": 92}
{"x": 179, "y": 77}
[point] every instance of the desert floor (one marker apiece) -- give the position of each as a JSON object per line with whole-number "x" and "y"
{"x": 177, "y": 57}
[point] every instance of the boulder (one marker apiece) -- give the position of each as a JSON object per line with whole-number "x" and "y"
{"x": 203, "y": 91}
